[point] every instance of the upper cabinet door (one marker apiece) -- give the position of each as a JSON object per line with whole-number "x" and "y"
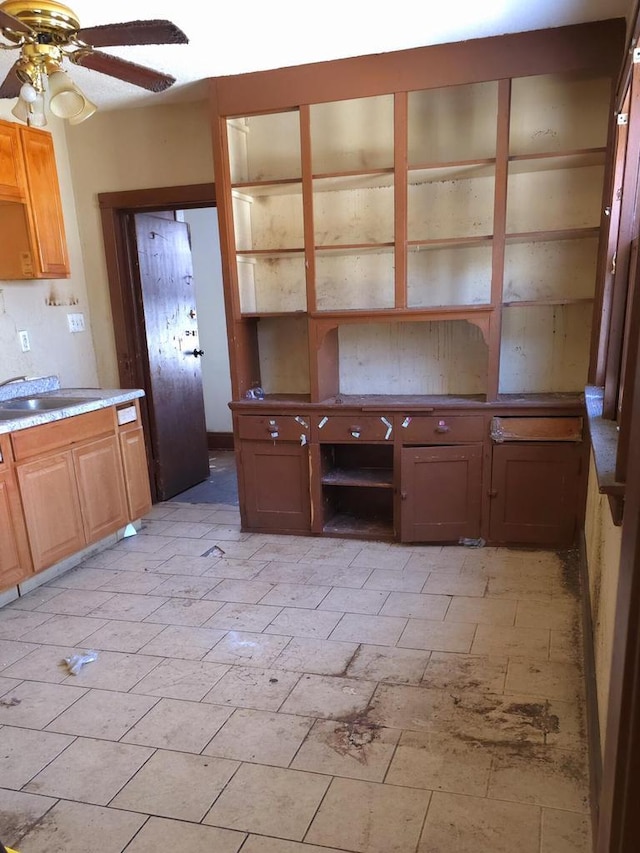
{"x": 45, "y": 205}
{"x": 12, "y": 177}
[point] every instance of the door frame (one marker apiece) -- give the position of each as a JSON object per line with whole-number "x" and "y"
{"x": 117, "y": 210}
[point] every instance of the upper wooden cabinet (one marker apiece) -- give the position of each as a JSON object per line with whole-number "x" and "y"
{"x": 423, "y": 222}
{"x": 31, "y": 220}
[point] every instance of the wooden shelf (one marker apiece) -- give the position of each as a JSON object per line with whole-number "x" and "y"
{"x": 552, "y": 235}
{"x": 542, "y": 303}
{"x": 365, "y": 477}
{"x": 342, "y": 524}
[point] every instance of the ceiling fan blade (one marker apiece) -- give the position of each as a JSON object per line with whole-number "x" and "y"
{"x": 133, "y": 33}
{"x": 10, "y": 87}
{"x": 10, "y": 23}
{"x": 130, "y": 72}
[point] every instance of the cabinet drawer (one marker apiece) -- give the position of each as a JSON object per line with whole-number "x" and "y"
{"x": 536, "y": 429}
{"x": 37, "y": 440}
{"x": 275, "y": 427}
{"x": 345, "y": 428}
{"x": 455, "y": 429}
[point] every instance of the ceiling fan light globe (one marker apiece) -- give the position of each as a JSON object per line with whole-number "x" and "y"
{"x": 88, "y": 110}
{"x": 21, "y": 110}
{"x": 28, "y": 93}
{"x": 65, "y": 101}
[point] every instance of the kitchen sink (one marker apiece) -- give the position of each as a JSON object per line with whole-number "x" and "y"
{"x": 41, "y": 404}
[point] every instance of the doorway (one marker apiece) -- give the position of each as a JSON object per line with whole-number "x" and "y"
{"x": 140, "y": 252}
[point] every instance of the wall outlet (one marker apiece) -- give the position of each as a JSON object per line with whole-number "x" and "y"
{"x": 24, "y": 341}
{"x": 76, "y": 322}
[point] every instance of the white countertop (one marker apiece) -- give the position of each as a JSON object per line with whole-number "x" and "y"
{"x": 93, "y": 398}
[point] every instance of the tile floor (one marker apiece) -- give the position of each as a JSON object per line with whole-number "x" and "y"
{"x": 272, "y": 694}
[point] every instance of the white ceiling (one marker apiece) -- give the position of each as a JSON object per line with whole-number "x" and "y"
{"x": 253, "y": 35}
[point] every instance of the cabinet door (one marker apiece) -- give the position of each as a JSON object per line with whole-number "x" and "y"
{"x": 535, "y": 491}
{"x": 136, "y": 472}
{"x": 15, "y": 562}
{"x": 100, "y": 487}
{"x": 12, "y": 178}
{"x": 44, "y": 203}
{"x": 275, "y": 482}
{"x": 441, "y": 493}
{"x": 51, "y": 508}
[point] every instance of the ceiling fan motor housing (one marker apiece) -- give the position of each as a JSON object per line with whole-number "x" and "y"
{"x": 43, "y": 15}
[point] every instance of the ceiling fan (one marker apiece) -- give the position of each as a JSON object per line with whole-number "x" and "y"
{"x": 46, "y": 33}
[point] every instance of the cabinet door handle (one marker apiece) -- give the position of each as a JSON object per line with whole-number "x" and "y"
{"x": 403, "y": 496}
{"x": 197, "y": 353}
{"x": 355, "y": 431}
{"x": 442, "y": 427}
{"x": 493, "y": 493}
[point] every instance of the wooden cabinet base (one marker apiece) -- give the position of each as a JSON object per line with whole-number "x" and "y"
{"x": 275, "y": 485}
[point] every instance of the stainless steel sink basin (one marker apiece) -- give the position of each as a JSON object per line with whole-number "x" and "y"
{"x": 41, "y": 404}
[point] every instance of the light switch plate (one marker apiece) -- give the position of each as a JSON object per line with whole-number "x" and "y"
{"x": 76, "y": 322}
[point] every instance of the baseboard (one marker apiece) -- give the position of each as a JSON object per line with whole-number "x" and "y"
{"x": 220, "y": 440}
{"x": 589, "y": 663}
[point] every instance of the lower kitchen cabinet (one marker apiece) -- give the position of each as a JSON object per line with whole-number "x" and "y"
{"x": 274, "y": 486}
{"x": 536, "y": 494}
{"x": 15, "y": 562}
{"x": 103, "y": 506}
{"x": 136, "y": 471}
{"x": 441, "y": 492}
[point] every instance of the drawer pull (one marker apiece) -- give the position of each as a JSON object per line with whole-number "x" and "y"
{"x": 443, "y": 427}
{"x": 355, "y": 431}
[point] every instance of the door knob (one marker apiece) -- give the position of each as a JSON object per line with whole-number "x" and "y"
{"x": 198, "y": 352}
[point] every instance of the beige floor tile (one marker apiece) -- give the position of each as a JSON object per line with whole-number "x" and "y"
{"x": 565, "y": 832}
{"x": 182, "y": 641}
{"x": 74, "y": 828}
{"x": 297, "y": 622}
{"x": 7, "y": 684}
{"x": 384, "y": 663}
{"x": 437, "y": 636}
{"x": 60, "y": 630}
{"x": 269, "y": 800}
{"x": 240, "y": 591}
{"x": 352, "y": 750}
{"x": 262, "y": 844}
{"x": 44, "y": 663}
{"x": 285, "y": 552}
{"x": 477, "y": 673}
{"x": 482, "y": 611}
{"x": 82, "y": 577}
{"x": 440, "y": 762}
{"x": 462, "y": 824}
{"x": 401, "y": 706}
{"x": 185, "y": 586}
{"x": 34, "y": 705}
{"x": 187, "y": 529}
{"x": 103, "y": 559}
{"x": 445, "y": 583}
{"x": 184, "y": 611}
{"x": 15, "y": 623}
{"x": 102, "y": 714}
{"x": 388, "y": 819}
{"x": 407, "y": 580}
{"x": 565, "y": 646}
{"x": 542, "y": 775}
{"x": 551, "y": 679}
{"x": 32, "y": 600}
{"x": 546, "y": 614}
{"x": 12, "y": 651}
{"x": 253, "y": 687}
{"x": 395, "y": 558}
{"x": 416, "y": 605}
{"x": 516, "y": 642}
{"x": 247, "y": 648}
{"x": 75, "y": 602}
{"x": 373, "y": 630}
{"x": 224, "y": 533}
{"x": 181, "y": 679}
{"x": 176, "y": 785}
{"x": 286, "y": 572}
{"x": 119, "y": 636}
{"x": 325, "y": 696}
{"x": 145, "y": 544}
{"x": 234, "y": 566}
{"x": 178, "y": 725}
{"x": 23, "y": 754}
{"x": 351, "y": 577}
{"x": 438, "y": 560}
{"x": 128, "y": 607}
{"x": 182, "y": 512}
{"x": 296, "y": 595}
{"x": 526, "y": 586}
{"x": 346, "y": 600}
{"x": 89, "y": 771}
{"x": 172, "y": 835}
{"x": 261, "y": 737}
{"x": 19, "y": 812}
{"x": 136, "y": 563}
{"x": 114, "y": 671}
{"x": 322, "y": 657}
{"x": 185, "y": 564}
{"x": 243, "y": 617}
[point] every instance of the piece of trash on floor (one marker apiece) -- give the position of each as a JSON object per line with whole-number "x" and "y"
{"x": 129, "y": 531}
{"x": 472, "y": 543}
{"x": 76, "y": 662}
{"x": 9, "y": 703}
{"x": 216, "y": 551}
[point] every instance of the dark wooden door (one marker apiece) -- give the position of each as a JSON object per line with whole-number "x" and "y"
{"x": 274, "y": 479}
{"x": 535, "y": 491}
{"x": 174, "y": 388}
{"x": 441, "y": 493}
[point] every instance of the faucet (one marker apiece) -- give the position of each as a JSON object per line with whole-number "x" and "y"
{"x": 13, "y": 379}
